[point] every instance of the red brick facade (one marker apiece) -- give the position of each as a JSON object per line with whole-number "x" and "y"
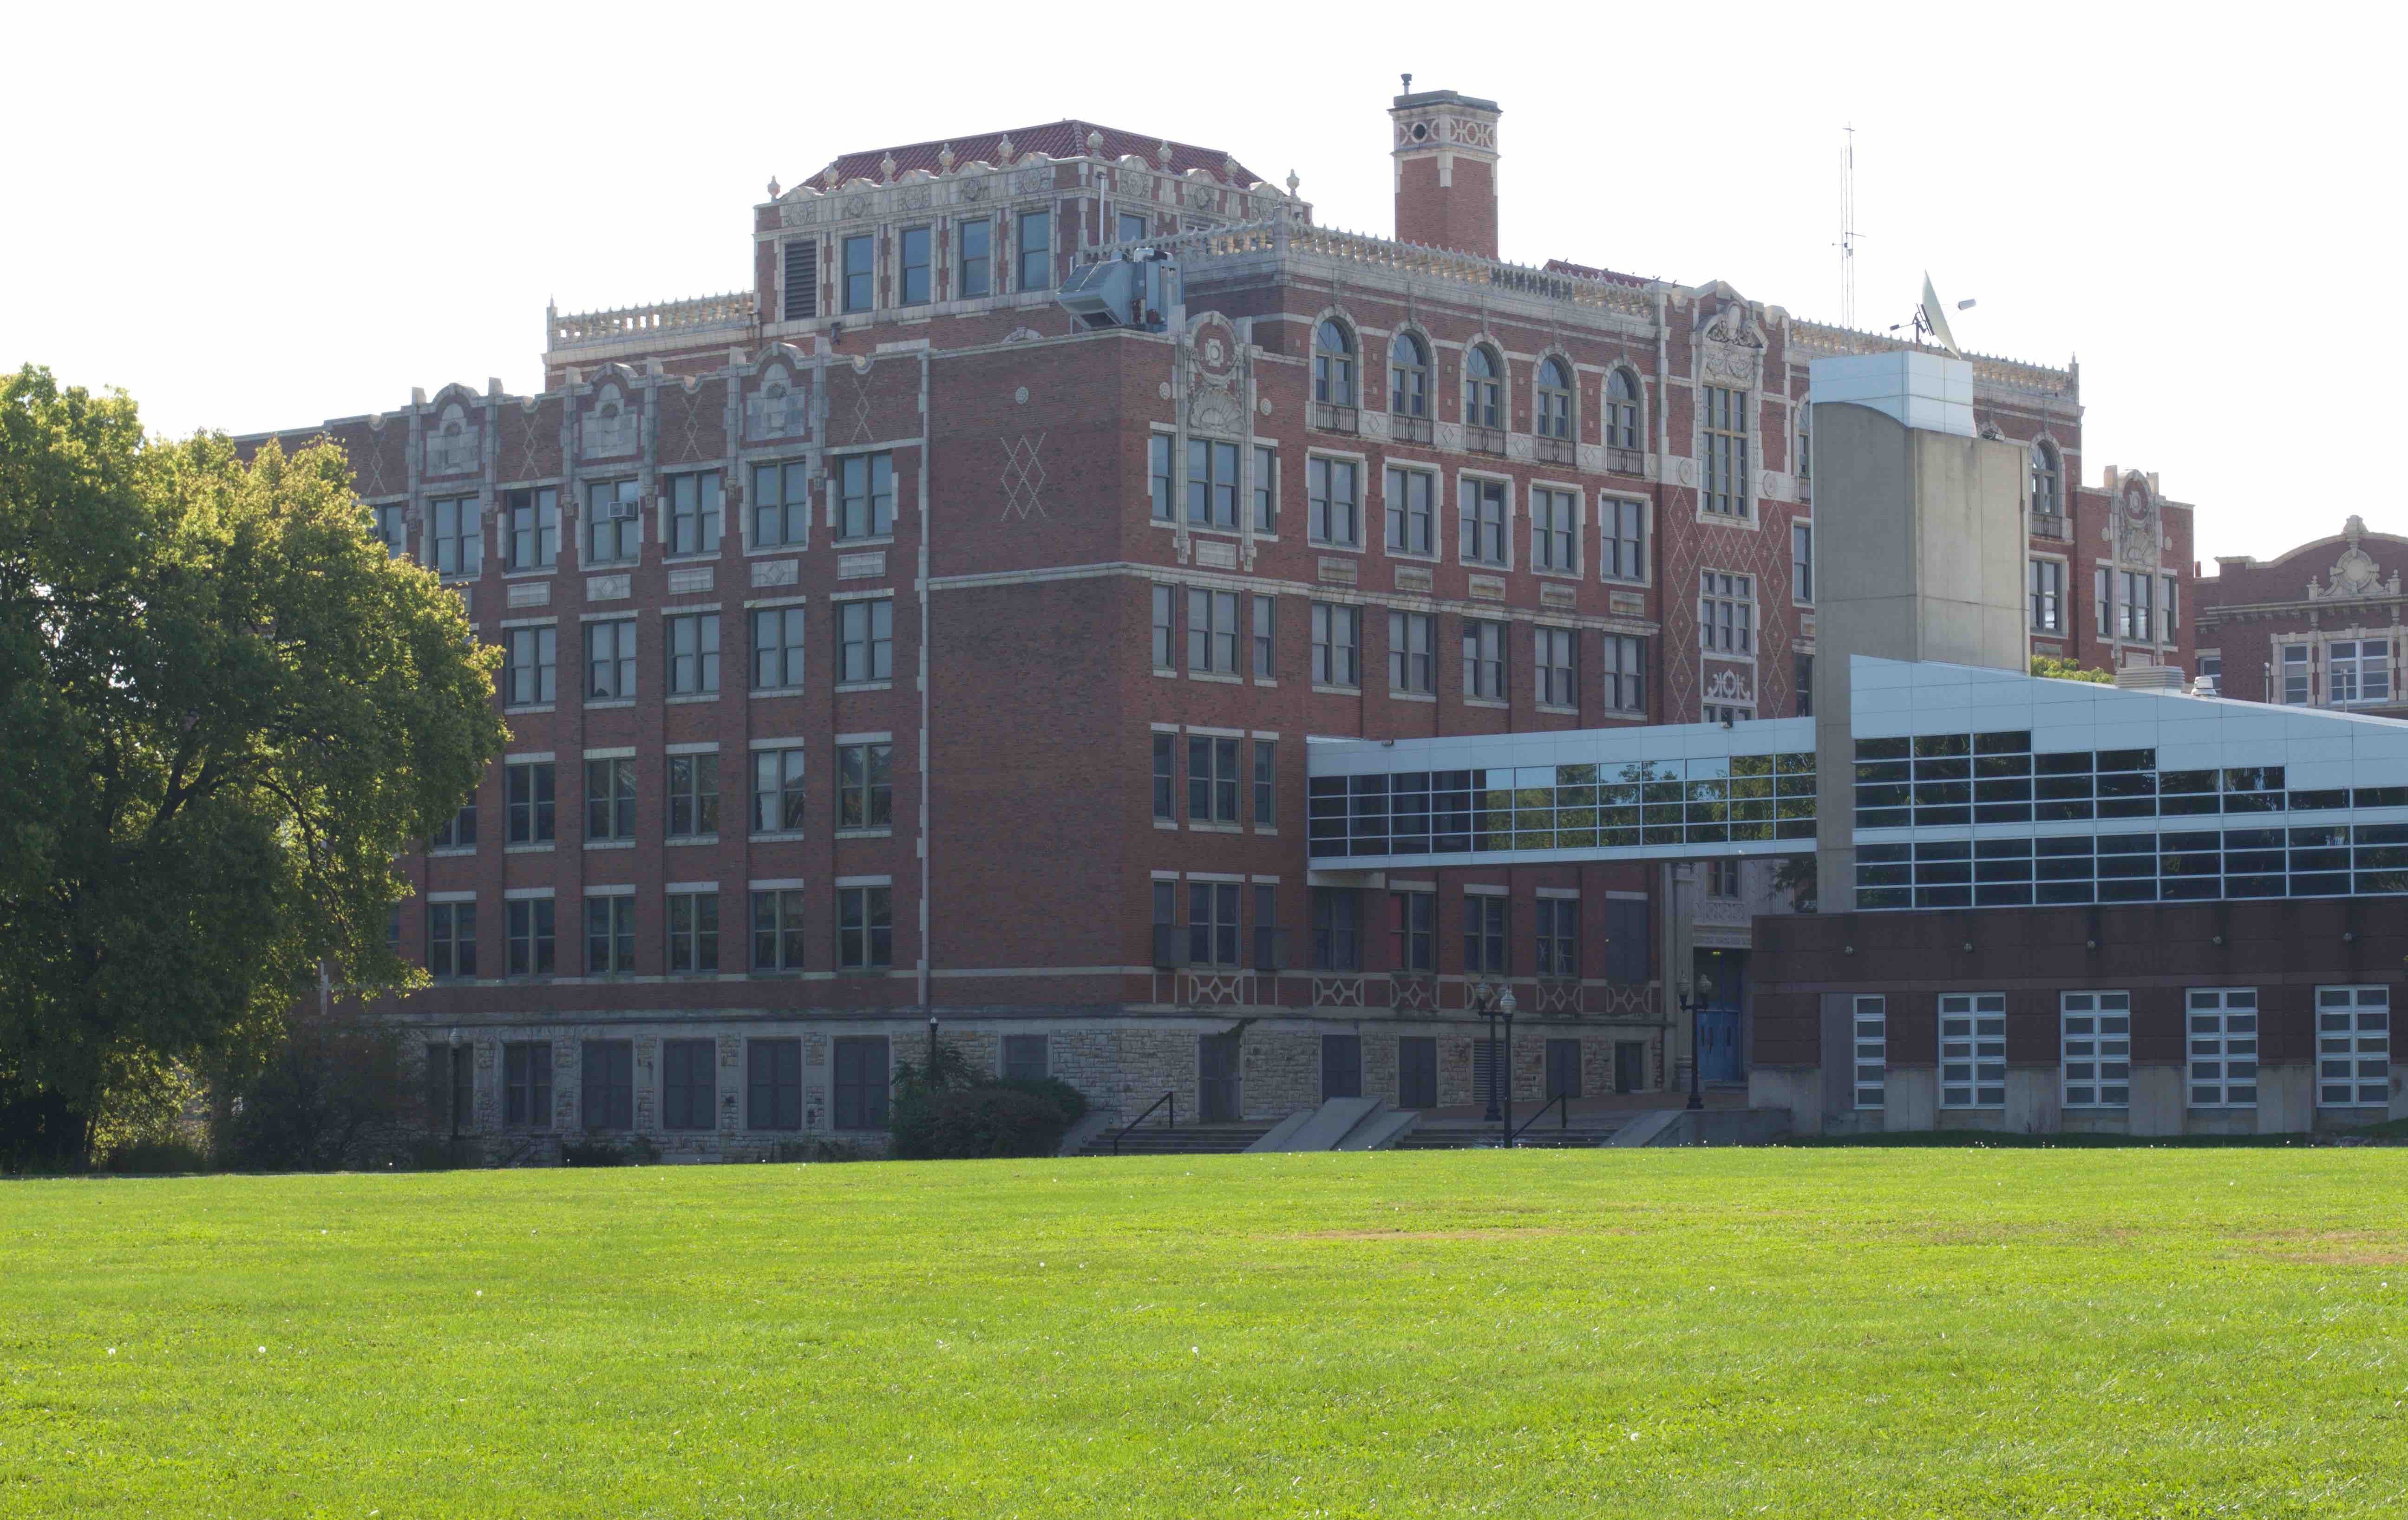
{"x": 2310, "y": 626}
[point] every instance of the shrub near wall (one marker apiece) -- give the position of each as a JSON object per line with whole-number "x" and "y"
{"x": 992, "y": 1119}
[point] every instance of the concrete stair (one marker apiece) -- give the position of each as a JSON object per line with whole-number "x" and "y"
{"x": 1203, "y": 1139}
{"x": 1585, "y": 1134}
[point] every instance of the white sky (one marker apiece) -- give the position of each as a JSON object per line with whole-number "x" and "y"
{"x": 254, "y": 217}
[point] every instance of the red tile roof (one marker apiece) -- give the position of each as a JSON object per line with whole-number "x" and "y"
{"x": 1055, "y": 140}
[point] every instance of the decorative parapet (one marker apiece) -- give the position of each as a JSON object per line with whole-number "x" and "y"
{"x": 585, "y": 329}
{"x": 1290, "y": 235}
{"x": 2011, "y": 374}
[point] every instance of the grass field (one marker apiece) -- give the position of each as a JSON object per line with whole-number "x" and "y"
{"x": 1887, "y": 1333}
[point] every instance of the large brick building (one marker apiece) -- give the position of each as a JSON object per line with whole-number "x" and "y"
{"x": 2316, "y": 626}
{"x": 906, "y": 637}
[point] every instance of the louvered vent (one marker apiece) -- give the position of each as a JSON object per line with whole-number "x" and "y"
{"x": 802, "y": 279}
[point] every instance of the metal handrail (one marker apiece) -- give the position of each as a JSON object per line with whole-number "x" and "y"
{"x": 1563, "y": 1116}
{"x": 1170, "y": 1098}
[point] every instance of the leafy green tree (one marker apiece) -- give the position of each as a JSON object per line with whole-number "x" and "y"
{"x": 2056, "y": 668}
{"x": 224, "y": 711}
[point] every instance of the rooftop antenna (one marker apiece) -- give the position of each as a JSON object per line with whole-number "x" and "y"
{"x": 1848, "y": 227}
{"x": 1931, "y": 321}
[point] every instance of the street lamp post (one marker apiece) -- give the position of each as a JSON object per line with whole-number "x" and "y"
{"x": 1494, "y": 1006}
{"x": 451, "y": 1092}
{"x": 1701, "y": 992}
{"x": 932, "y": 1049}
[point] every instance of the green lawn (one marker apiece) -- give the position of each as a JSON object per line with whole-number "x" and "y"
{"x": 1796, "y": 1332}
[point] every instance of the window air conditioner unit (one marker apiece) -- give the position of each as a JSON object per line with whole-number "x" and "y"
{"x": 619, "y": 511}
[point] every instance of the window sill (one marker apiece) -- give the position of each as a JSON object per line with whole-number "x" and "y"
{"x": 451, "y": 851}
{"x": 544, "y": 848}
{"x": 1170, "y": 823}
{"x": 1494, "y": 567}
{"x": 1270, "y": 830}
{"x": 1342, "y": 549}
{"x": 778, "y": 691}
{"x": 601, "y": 702}
{"x": 862, "y": 972}
{"x": 1419, "y": 556}
{"x": 1166, "y": 672}
{"x": 865, "y": 685}
{"x": 776, "y": 973}
{"x": 678, "y": 842}
{"x": 607, "y": 566}
{"x": 1265, "y": 681}
{"x": 1221, "y": 676}
{"x": 1626, "y": 585}
{"x": 531, "y": 708}
{"x": 1549, "y": 707}
{"x": 778, "y": 835}
{"x": 686, "y": 698}
{"x": 1228, "y": 530}
{"x": 863, "y": 543}
{"x": 757, "y": 550}
{"x": 706, "y": 557}
{"x": 535, "y": 573}
{"x": 1413, "y": 696}
{"x": 864, "y": 832}
{"x": 1624, "y": 717}
{"x": 1207, "y": 826}
{"x": 1556, "y": 575}
{"x": 1487, "y": 702}
{"x": 1338, "y": 691}
{"x": 609, "y": 844}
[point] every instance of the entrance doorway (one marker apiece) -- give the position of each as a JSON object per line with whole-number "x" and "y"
{"x": 1341, "y": 1067}
{"x": 1563, "y": 1068}
{"x": 1417, "y": 1072}
{"x": 1722, "y": 1039}
{"x": 1216, "y": 1078}
{"x": 1629, "y": 1066}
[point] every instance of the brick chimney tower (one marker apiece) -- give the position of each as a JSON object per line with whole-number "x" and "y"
{"x": 1446, "y": 169}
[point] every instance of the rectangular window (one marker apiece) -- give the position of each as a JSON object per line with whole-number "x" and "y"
{"x": 1630, "y": 952}
{"x": 460, "y": 832}
{"x": 860, "y": 255}
{"x": 1482, "y": 510}
{"x": 1554, "y": 530}
{"x": 2296, "y": 685}
{"x": 1413, "y": 930}
{"x": 2221, "y": 1046}
{"x": 1626, "y": 673}
{"x": 1801, "y": 562}
{"x": 1626, "y": 538}
{"x": 2047, "y": 580}
{"x": 1270, "y": 946}
{"x": 526, "y": 1084}
{"x": 2358, "y": 671}
{"x": 534, "y": 671}
{"x": 1557, "y": 667}
{"x": 1266, "y": 783}
{"x": 777, "y": 791}
{"x": 1266, "y": 624}
{"x": 866, "y": 496}
{"x": 1972, "y": 1049}
{"x": 866, "y": 641}
{"x": 978, "y": 258}
{"x": 777, "y": 648}
{"x": 392, "y": 529}
{"x": 1727, "y": 492}
{"x": 1559, "y": 937}
{"x": 2138, "y": 621}
{"x": 1871, "y": 1036}
{"x": 610, "y": 659}
{"x": 1336, "y": 506}
{"x": 1036, "y": 250}
{"x": 695, "y": 515}
{"x": 777, "y": 930}
{"x": 1026, "y": 1058}
{"x": 692, "y": 640}
{"x": 526, "y": 794}
{"x": 773, "y": 1070}
{"x": 917, "y": 283}
{"x": 1157, "y": 474}
{"x": 610, "y": 936}
{"x": 1484, "y": 937}
{"x": 2097, "y": 1050}
{"x": 689, "y": 1084}
{"x": 1727, "y": 612}
{"x": 802, "y": 279}
{"x": 1212, "y": 923}
{"x": 1413, "y": 653}
{"x": 693, "y": 796}
{"x": 861, "y": 1080}
{"x": 1212, "y": 483}
{"x": 459, "y": 535}
{"x": 614, "y": 521}
{"x": 1166, "y": 759}
{"x": 1722, "y": 879}
{"x": 451, "y": 938}
{"x": 533, "y": 518}
{"x": 2167, "y": 620}
{"x": 2353, "y": 1047}
{"x": 1802, "y": 674}
{"x": 1211, "y": 780}
{"x": 1166, "y": 636}
{"x": 1483, "y": 660}
{"x": 864, "y": 928}
{"x": 1266, "y": 490}
{"x": 2103, "y": 596}
{"x": 1212, "y": 632}
{"x": 610, "y": 800}
{"x": 1129, "y": 227}
{"x": 1413, "y": 511}
{"x": 1337, "y": 929}
{"x": 608, "y": 1100}
{"x": 694, "y": 931}
{"x": 864, "y": 786}
{"x": 1337, "y": 638}
{"x": 450, "y": 1086}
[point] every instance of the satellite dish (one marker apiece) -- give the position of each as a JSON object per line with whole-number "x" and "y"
{"x": 1936, "y": 319}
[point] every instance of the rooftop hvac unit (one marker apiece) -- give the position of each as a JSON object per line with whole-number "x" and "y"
{"x": 1136, "y": 289}
{"x": 2150, "y": 678}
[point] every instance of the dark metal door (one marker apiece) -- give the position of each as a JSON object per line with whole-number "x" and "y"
{"x": 1341, "y": 1065}
{"x": 1417, "y": 1072}
{"x": 1718, "y": 1056}
{"x": 1216, "y": 1078}
{"x": 861, "y": 1081}
{"x": 1563, "y": 1068}
{"x": 1629, "y": 1066}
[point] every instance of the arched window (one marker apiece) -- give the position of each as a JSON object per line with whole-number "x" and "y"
{"x": 1333, "y": 366}
{"x": 2046, "y": 499}
{"x": 1554, "y": 391}
{"x": 1408, "y": 377}
{"x": 1622, "y": 410}
{"x": 1484, "y": 388}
